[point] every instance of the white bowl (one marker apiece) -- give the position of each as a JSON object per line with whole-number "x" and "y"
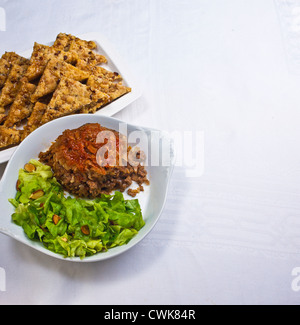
{"x": 152, "y": 200}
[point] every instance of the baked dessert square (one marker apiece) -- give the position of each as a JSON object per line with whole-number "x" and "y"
{"x": 9, "y": 137}
{"x": 41, "y": 55}
{"x": 12, "y": 85}
{"x": 22, "y": 106}
{"x": 54, "y": 71}
{"x": 34, "y": 120}
{"x": 69, "y": 97}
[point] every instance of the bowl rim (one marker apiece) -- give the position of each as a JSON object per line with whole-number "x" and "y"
{"x": 112, "y": 252}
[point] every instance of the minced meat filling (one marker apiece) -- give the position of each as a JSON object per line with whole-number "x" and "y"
{"x": 76, "y": 166}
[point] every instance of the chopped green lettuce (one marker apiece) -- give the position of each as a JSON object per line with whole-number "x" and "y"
{"x": 81, "y": 227}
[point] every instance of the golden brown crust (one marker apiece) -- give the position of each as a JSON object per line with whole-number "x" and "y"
{"x": 69, "y": 97}
{"x": 83, "y": 49}
{"x": 112, "y": 89}
{"x": 7, "y": 60}
{"x": 57, "y": 80}
{"x": 9, "y": 137}
{"x": 12, "y": 85}
{"x": 2, "y": 118}
{"x": 63, "y": 42}
{"x": 41, "y": 55}
{"x": 14, "y": 58}
{"x": 98, "y": 71}
{"x": 34, "y": 121}
{"x": 5, "y": 67}
{"x": 86, "y": 54}
{"x": 98, "y": 100}
{"x": 54, "y": 71}
{"x": 22, "y": 105}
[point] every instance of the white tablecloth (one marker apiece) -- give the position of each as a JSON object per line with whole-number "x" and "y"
{"x": 229, "y": 72}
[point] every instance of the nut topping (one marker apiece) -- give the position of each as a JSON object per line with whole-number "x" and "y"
{"x": 18, "y": 185}
{"x": 56, "y": 219}
{"x": 29, "y": 168}
{"x": 37, "y": 194}
{"x": 85, "y": 230}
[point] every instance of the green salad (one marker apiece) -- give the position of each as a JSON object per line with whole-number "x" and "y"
{"x": 71, "y": 226}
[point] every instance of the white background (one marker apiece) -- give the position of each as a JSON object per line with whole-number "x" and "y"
{"x": 229, "y": 69}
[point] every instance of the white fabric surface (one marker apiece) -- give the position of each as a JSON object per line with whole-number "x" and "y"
{"x": 227, "y": 69}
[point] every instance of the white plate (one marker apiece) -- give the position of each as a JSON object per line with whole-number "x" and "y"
{"x": 115, "y": 63}
{"x": 151, "y": 200}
